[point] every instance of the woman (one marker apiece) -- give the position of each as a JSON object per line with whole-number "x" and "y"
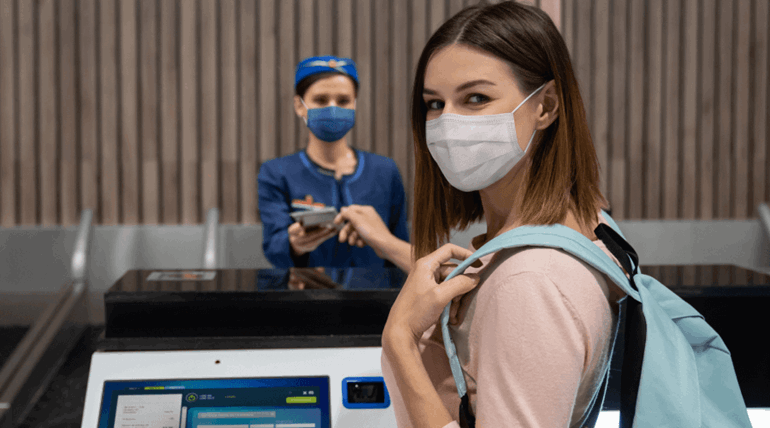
{"x": 328, "y": 173}
{"x": 500, "y": 134}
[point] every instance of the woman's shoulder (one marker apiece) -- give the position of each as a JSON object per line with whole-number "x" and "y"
{"x": 579, "y": 284}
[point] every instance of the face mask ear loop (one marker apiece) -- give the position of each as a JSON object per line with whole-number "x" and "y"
{"x": 306, "y": 108}
{"x": 521, "y": 104}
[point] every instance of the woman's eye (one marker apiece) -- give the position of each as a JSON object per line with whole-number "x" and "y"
{"x": 343, "y": 101}
{"x": 435, "y": 105}
{"x": 321, "y": 101}
{"x": 477, "y": 99}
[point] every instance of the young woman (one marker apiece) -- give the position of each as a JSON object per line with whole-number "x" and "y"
{"x": 328, "y": 173}
{"x": 500, "y": 134}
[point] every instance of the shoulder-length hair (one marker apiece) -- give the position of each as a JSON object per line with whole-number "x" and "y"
{"x": 562, "y": 173}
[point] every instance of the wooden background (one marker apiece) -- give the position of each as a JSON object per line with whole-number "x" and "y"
{"x": 150, "y": 111}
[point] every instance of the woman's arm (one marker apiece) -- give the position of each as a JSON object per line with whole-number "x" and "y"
{"x": 416, "y": 308}
{"x": 421, "y": 400}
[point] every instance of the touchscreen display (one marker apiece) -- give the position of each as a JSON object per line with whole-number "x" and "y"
{"x": 217, "y": 403}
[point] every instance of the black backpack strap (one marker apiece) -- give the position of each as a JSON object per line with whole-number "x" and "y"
{"x": 467, "y": 420}
{"x": 635, "y": 329}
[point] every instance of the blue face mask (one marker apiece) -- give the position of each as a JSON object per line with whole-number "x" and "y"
{"x": 329, "y": 123}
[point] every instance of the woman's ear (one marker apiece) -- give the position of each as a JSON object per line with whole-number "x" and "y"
{"x": 299, "y": 109}
{"x": 549, "y": 106}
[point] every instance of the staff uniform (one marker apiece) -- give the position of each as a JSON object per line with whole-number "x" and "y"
{"x": 295, "y": 178}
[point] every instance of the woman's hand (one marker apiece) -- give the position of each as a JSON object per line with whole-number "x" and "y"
{"x": 424, "y": 296}
{"x": 303, "y": 241}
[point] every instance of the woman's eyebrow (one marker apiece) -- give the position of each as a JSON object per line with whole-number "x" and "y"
{"x": 464, "y": 86}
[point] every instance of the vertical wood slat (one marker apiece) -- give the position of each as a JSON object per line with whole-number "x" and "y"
{"x": 249, "y": 110}
{"x": 742, "y": 165}
{"x": 671, "y": 121}
{"x": 601, "y": 75}
{"x": 286, "y": 67}
{"x": 229, "y": 114}
{"x": 209, "y": 115}
{"x": 707, "y": 125}
{"x": 689, "y": 120}
{"x": 267, "y": 80}
{"x": 618, "y": 70}
{"x": 635, "y": 126}
{"x": 419, "y": 37}
{"x": 325, "y": 28}
{"x": 344, "y": 27}
{"x": 8, "y": 107}
{"x": 108, "y": 109}
{"x": 169, "y": 112}
{"x": 400, "y": 142}
{"x": 381, "y": 76}
{"x": 363, "y": 57}
{"x": 305, "y": 48}
{"x": 67, "y": 106}
{"x": 48, "y": 125}
{"x": 761, "y": 113}
{"x": 129, "y": 144}
{"x": 741, "y": 129}
{"x": 725, "y": 103}
{"x": 87, "y": 99}
{"x": 653, "y": 110}
{"x": 189, "y": 112}
{"x": 671, "y": 110}
{"x": 436, "y": 14}
{"x": 149, "y": 111}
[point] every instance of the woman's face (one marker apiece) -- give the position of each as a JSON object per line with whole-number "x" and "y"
{"x": 467, "y": 81}
{"x": 337, "y": 90}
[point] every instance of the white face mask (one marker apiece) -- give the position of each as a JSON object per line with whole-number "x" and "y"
{"x": 473, "y": 152}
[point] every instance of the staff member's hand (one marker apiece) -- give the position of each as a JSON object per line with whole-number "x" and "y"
{"x": 365, "y": 227}
{"x": 424, "y": 296}
{"x": 304, "y": 240}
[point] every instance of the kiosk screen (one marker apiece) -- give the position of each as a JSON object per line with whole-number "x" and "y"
{"x": 217, "y": 403}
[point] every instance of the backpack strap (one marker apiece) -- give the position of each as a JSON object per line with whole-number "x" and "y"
{"x": 554, "y": 236}
{"x": 635, "y": 326}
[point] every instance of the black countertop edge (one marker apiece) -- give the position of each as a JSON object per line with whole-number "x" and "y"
{"x": 223, "y": 343}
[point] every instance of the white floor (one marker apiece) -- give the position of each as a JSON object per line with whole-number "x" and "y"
{"x": 760, "y": 418}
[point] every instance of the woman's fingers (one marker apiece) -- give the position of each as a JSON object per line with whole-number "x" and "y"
{"x": 456, "y": 286}
{"x": 434, "y": 260}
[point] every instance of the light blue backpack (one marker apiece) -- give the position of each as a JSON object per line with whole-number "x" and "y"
{"x": 677, "y": 371}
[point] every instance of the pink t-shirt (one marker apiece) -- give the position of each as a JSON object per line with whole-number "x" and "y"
{"x": 533, "y": 340}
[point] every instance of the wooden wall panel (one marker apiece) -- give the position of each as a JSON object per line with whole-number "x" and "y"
{"x": 8, "y": 108}
{"x": 688, "y": 91}
{"x": 152, "y": 111}
{"x": 148, "y": 113}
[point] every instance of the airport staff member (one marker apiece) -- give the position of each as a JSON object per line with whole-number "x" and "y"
{"x": 328, "y": 173}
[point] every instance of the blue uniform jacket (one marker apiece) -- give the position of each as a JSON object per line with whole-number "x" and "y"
{"x": 295, "y": 178}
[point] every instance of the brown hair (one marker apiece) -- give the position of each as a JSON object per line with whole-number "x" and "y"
{"x": 305, "y": 84}
{"x": 563, "y": 174}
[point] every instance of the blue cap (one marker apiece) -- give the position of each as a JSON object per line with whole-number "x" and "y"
{"x": 325, "y": 64}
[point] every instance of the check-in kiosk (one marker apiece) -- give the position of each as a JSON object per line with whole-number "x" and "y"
{"x": 244, "y": 348}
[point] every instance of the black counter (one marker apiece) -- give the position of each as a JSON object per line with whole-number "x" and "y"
{"x": 251, "y": 303}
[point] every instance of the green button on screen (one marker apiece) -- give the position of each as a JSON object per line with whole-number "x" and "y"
{"x": 301, "y": 400}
